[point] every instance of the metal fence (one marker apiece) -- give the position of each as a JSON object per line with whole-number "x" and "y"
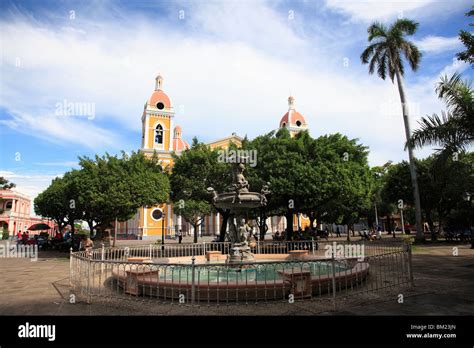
{"x": 178, "y": 274}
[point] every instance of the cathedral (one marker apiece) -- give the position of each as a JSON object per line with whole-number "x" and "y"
{"x": 160, "y": 134}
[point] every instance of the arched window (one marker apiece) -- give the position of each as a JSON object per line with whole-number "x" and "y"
{"x": 159, "y": 134}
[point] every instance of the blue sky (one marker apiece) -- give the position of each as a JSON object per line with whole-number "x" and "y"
{"x": 228, "y": 66}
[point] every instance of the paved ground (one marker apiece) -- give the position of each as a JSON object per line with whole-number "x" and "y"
{"x": 443, "y": 286}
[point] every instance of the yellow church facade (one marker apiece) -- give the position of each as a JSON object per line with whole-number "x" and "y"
{"x": 160, "y": 134}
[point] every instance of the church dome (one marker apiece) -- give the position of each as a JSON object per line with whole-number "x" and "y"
{"x": 159, "y": 99}
{"x": 178, "y": 143}
{"x": 292, "y": 119}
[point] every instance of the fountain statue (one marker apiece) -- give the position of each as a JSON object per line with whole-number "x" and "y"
{"x": 238, "y": 199}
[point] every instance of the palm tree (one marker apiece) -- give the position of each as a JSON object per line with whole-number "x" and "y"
{"x": 384, "y": 53}
{"x": 454, "y": 129}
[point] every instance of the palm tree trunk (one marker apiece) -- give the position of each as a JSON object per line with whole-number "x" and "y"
{"x": 414, "y": 181}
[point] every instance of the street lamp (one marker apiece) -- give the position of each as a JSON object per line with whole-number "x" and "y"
{"x": 402, "y": 221}
{"x": 162, "y": 231}
{"x": 468, "y": 198}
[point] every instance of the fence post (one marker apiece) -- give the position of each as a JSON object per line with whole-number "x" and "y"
{"x": 88, "y": 292}
{"x": 71, "y": 272}
{"x": 193, "y": 285}
{"x": 313, "y": 246}
{"x": 258, "y": 246}
{"x": 204, "y": 248}
{"x": 410, "y": 268}
{"x": 333, "y": 263}
{"x": 102, "y": 258}
{"x": 149, "y": 251}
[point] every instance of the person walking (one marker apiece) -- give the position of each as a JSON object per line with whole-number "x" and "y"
{"x": 379, "y": 232}
{"x": 338, "y": 231}
{"x": 180, "y": 237}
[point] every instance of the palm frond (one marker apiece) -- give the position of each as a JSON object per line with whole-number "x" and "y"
{"x": 369, "y": 52}
{"x": 445, "y": 131}
{"x": 377, "y": 30}
{"x": 382, "y": 66}
{"x": 411, "y": 53}
{"x": 457, "y": 94}
{"x": 405, "y": 26}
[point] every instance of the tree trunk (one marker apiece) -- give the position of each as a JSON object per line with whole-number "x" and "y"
{"x": 90, "y": 223}
{"x": 289, "y": 224}
{"x": 72, "y": 235}
{"x": 225, "y": 218}
{"x": 195, "y": 226}
{"x": 414, "y": 181}
{"x": 389, "y": 224}
{"x": 429, "y": 219}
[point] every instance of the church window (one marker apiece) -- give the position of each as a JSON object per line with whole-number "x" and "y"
{"x": 298, "y": 123}
{"x": 159, "y": 134}
{"x": 157, "y": 214}
{"x": 160, "y": 106}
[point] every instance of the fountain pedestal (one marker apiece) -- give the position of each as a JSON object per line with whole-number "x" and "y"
{"x": 240, "y": 252}
{"x": 239, "y": 200}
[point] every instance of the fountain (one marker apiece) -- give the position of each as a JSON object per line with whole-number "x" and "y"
{"x": 239, "y": 274}
{"x": 238, "y": 199}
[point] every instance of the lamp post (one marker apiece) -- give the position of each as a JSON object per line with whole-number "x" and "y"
{"x": 468, "y": 198}
{"x": 403, "y": 223}
{"x": 162, "y": 231}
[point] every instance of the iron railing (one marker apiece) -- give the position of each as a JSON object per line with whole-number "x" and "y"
{"x": 179, "y": 273}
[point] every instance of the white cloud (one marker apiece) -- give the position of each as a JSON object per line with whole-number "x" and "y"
{"x": 370, "y": 10}
{"x": 30, "y": 184}
{"x": 437, "y": 44}
{"x": 60, "y": 129}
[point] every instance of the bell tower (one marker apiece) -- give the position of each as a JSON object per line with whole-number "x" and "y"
{"x": 157, "y": 121}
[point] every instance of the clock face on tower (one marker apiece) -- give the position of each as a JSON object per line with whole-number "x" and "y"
{"x": 160, "y": 106}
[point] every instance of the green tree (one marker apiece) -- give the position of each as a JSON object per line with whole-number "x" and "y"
{"x": 443, "y": 184}
{"x": 52, "y": 203}
{"x": 385, "y": 53}
{"x": 345, "y": 181}
{"x": 6, "y": 184}
{"x": 114, "y": 188}
{"x": 104, "y": 189}
{"x": 281, "y": 162}
{"x": 194, "y": 171}
{"x": 327, "y": 179}
{"x": 468, "y": 40}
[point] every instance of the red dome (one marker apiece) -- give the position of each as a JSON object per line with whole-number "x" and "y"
{"x": 180, "y": 145}
{"x": 297, "y": 120}
{"x": 159, "y": 96}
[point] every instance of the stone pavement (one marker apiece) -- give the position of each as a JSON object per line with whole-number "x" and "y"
{"x": 443, "y": 286}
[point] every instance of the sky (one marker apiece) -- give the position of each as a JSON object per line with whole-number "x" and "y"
{"x": 228, "y": 66}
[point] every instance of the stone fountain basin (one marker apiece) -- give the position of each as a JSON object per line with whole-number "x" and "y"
{"x": 158, "y": 280}
{"x": 248, "y": 200}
